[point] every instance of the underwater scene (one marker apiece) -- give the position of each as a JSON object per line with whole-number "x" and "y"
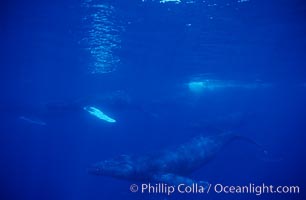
{"x": 153, "y": 99}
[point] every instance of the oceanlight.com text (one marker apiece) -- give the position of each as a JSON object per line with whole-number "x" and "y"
{"x": 206, "y": 188}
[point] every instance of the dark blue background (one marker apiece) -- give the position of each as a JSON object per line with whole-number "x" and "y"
{"x": 42, "y": 60}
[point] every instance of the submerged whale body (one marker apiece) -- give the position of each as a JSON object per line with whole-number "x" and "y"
{"x": 171, "y": 166}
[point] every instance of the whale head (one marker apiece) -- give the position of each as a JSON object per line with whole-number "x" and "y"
{"x": 119, "y": 167}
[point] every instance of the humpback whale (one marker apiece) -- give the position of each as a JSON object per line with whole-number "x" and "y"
{"x": 169, "y": 166}
{"x": 99, "y": 114}
{"x": 33, "y": 121}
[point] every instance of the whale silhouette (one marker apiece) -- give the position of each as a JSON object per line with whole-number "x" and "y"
{"x": 170, "y": 166}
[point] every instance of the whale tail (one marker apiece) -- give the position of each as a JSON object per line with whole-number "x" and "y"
{"x": 263, "y": 154}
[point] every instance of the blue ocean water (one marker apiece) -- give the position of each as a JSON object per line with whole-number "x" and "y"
{"x": 166, "y": 71}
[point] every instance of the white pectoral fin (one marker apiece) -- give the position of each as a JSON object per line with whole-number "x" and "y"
{"x": 99, "y": 114}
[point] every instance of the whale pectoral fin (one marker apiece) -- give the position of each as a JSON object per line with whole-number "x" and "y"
{"x": 174, "y": 179}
